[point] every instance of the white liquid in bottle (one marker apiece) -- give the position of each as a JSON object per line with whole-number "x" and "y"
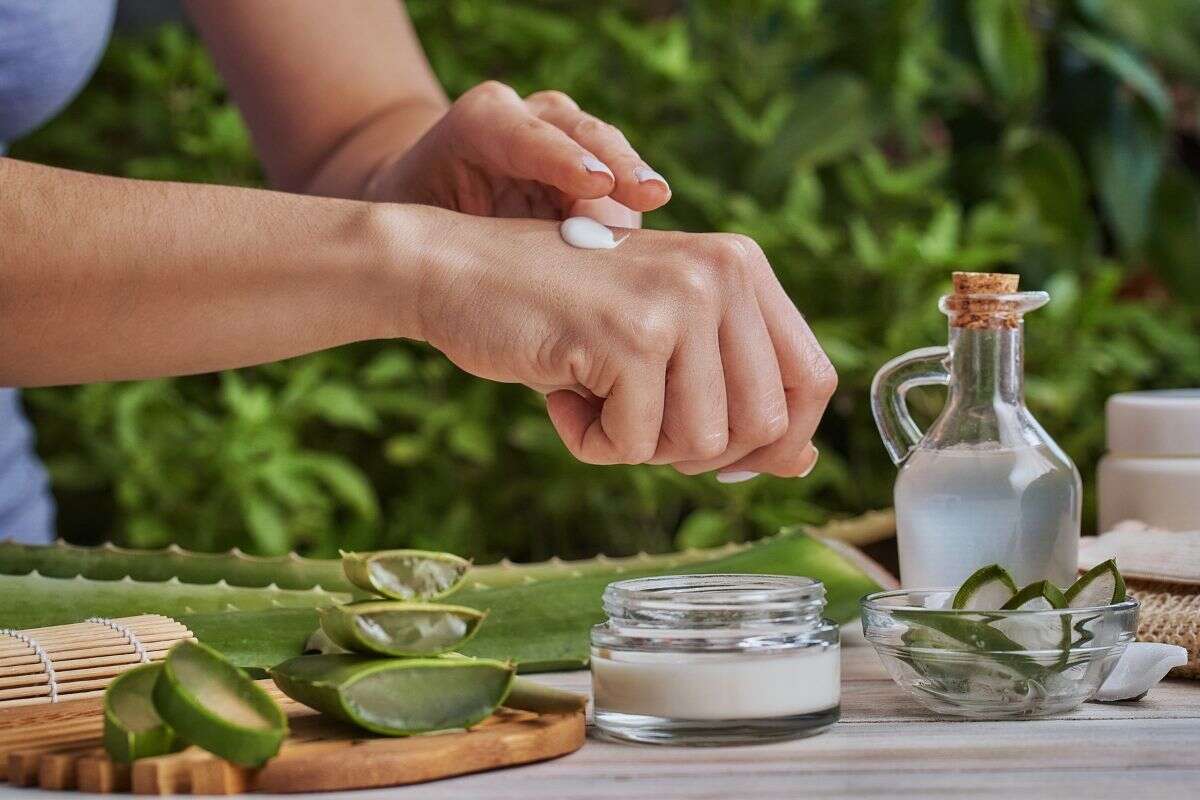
{"x": 959, "y": 509}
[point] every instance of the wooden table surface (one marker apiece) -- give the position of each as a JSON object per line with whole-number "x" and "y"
{"x": 885, "y": 746}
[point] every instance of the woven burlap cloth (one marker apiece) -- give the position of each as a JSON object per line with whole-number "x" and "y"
{"x": 1162, "y": 570}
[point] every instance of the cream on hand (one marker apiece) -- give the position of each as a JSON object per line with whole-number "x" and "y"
{"x": 587, "y": 234}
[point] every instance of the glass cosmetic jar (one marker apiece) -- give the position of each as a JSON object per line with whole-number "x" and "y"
{"x": 715, "y": 659}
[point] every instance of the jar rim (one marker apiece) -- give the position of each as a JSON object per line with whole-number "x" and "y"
{"x": 730, "y": 591}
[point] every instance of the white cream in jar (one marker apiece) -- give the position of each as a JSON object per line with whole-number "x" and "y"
{"x": 713, "y": 659}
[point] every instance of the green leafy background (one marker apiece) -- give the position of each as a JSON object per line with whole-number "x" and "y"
{"x": 870, "y": 146}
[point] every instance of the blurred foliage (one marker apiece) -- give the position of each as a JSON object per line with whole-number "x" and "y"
{"x": 871, "y": 147}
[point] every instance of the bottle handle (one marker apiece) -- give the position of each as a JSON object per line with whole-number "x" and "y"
{"x": 924, "y": 367}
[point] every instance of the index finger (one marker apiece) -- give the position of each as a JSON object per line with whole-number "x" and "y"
{"x": 497, "y": 131}
{"x": 637, "y": 185}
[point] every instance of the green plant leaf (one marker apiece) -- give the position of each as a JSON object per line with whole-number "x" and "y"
{"x": 1009, "y": 51}
{"x": 1126, "y": 67}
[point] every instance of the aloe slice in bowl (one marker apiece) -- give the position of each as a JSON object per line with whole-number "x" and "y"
{"x": 398, "y": 628}
{"x": 132, "y": 728}
{"x": 214, "y": 705}
{"x": 1037, "y": 631}
{"x": 406, "y": 574}
{"x": 1037, "y": 596}
{"x": 1101, "y": 585}
{"x": 987, "y": 589}
{"x": 397, "y": 696}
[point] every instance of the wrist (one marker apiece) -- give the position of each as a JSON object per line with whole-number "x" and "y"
{"x": 407, "y": 244}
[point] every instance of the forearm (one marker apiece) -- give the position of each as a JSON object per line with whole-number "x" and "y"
{"x": 351, "y": 168}
{"x": 329, "y": 90}
{"x": 111, "y": 279}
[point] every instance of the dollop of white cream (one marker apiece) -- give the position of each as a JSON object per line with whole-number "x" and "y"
{"x": 587, "y": 234}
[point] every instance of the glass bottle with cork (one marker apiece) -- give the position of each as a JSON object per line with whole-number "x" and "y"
{"x": 985, "y": 484}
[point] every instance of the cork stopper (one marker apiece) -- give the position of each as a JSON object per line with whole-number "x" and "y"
{"x": 985, "y": 283}
{"x": 970, "y": 306}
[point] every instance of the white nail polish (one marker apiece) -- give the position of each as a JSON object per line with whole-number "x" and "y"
{"x": 735, "y": 476}
{"x": 645, "y": 174}
{"x": 593, "y": 164}
{"x": 812, "y": 464}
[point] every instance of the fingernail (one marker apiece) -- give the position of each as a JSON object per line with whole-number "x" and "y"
{"x": 812, "y": 464}
{"x": 645, "y": 174}
{"x": 735, "y": 476}
{"x": 593, "y": 164}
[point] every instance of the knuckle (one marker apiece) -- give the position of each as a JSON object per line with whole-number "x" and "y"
{"x": 590, "y": 127}
{"x": 824, "y": 377}
{"x": 766, "y": 428}
{"x": 553, "y": 99}
{"x": 704, "y": 447}
{"x": 636, "y": 452}
{"x": 652, "y": 333}
{"x": 736, "y": 250}
{"x": 490, "y": 90}
{"x": 694, "y": 285}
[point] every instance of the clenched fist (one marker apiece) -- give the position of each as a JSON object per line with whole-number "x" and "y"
{"x": 674, "y": 348}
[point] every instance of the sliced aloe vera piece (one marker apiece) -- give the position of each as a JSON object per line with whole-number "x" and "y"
{"x": 214, "y": 705}
{"x": 406, "y": 574}
{"x": 398, "y": 628}
{"x": 132, "y": 728}
{"x": 1101, "y": 585}
{"x": 1037, "y": 631}
{"x": 987, "y": 589}
{"x": 397, "y": 696}
{"x": 1037, "y": 596}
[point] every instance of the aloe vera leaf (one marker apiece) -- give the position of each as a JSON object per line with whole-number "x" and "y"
{"x": 108, "y": 562}
{"x": 214, "y": 705}
{"x": 986, "y": 589}
{"x": 33, "y": 600}
{"x": 952, "y": 631}
{"x": 291, "y": 571}
{"x": 545, "y": 626}
{"x": 529, "y": 695}
{"x": 542, "y": 625}
{"x": 399, "y": 628}
{"x": 397, "y": 696}
{"x": 319, "y": 643}
{"x": 1101, "y": 585}
{"x": 406, "y": 574}
{"x": 132, "y": 728}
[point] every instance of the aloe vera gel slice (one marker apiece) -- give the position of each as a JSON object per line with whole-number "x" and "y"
{"x": 214, "y": 705}
{"x": 1101, "y": 585}
{"x": 397, "y": 628}
{"x": 132, "y": 728}
{"x": 988, "y": 589}
{"x": 1040, "y": 631}
{"x": 406, "y": 574}
{"x": 397, "y": 696}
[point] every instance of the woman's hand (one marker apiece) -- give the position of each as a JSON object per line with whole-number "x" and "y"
{"x": 673, "y": 348}
{"x": 494, "y": 154}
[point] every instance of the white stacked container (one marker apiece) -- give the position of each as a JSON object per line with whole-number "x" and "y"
{"x": 1152, "y": 470}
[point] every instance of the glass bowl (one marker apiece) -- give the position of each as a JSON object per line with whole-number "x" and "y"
{"x": 995, "y": 664}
